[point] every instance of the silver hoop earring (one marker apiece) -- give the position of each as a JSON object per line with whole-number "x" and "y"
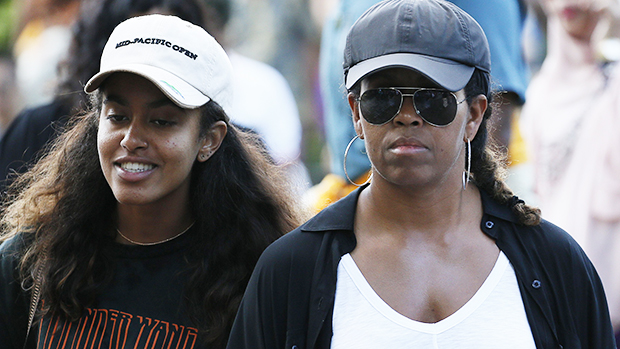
{"x": 344, "y": 164}
{"x": 466, "y": 172}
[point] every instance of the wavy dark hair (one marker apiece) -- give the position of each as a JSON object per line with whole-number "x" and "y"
{"x": 488, "y": 168}
{"x": 66, "y": 207}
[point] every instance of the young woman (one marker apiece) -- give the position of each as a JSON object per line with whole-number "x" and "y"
{"x": 435, "y": 252}
{"x": 34, "y": 128}
{"x": 141, "y": 226}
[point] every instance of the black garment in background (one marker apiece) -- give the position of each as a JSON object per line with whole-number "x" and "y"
{"x": 31, "y": 130}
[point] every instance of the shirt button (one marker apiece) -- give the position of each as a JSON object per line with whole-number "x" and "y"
{"x": 489, "y": 224}
{"x": 536, "y": 284}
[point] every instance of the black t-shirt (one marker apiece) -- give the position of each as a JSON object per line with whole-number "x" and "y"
{"x": 142, "y": 307}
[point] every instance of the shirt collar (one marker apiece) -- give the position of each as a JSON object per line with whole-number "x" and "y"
{"x": 493, "y": 208}
{"x": 341, "y": 214}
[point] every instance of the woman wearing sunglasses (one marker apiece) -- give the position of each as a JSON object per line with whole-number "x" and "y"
{"x": 141, "y": 227}
{"x": 435, "y": 252}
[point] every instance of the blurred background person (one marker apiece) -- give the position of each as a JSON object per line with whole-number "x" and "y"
{"x": 282, "y": 34}
{"x": 571, "y": 121}
{"x": 9, "y": 98}
{"x": 44, "y": 36}
{"x": 8, "y": 95}
{"x": 265, "y": 102}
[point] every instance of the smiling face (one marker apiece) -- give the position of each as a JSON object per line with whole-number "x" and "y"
{"x": 408, "y": 151}
{"x": 147, "y": 145}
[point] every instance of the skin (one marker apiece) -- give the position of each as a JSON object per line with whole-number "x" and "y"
{"x": 419, "y": 244}
{"x": 578, "y": 17}
{"x": 147, "y": 146}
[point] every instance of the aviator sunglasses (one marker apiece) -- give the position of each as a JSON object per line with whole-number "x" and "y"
{"x": 436, "y": 107}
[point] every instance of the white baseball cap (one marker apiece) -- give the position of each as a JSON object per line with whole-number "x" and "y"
{"x": 180, "y": 58}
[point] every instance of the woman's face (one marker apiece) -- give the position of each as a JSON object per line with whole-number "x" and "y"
{"x": 147, "y": 144}
{"x": 408, "y": 151}
{"x": 578, "y": 17}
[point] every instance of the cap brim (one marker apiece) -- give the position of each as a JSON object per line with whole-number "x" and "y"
{"x": 180, "y": 92}
{"x": 451, "y": 75}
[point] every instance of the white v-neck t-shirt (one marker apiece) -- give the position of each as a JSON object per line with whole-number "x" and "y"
{"x": 493, "y": 318}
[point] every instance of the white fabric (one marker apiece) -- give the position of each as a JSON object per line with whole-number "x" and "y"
{"x": 265, "y": 103}
{"x": 181, "y": 58}
{"x": 571, "y": 122}
{"x": 493, "y": 318}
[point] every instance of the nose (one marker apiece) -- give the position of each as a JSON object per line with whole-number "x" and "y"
{"x": 134, "y": 138}
{"x": 407, "y": 114}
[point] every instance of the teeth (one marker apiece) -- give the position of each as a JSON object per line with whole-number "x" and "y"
{"x": 136, "y": 167}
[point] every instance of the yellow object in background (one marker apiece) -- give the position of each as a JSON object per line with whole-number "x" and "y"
{"x": 331, "y": 189}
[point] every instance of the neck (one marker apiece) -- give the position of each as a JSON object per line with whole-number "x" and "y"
{"x": 433, "y": 212}
{"x": 147, "y": 225}
{"x": 564, "y": 51}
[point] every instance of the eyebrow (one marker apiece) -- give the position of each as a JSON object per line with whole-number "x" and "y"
{"x": 162, "y": 102}
{"x": 115, "y": 99}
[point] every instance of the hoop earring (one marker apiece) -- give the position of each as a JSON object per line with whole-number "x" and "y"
{"x": 344, "y": 164}
{"x": 466, "y": 173}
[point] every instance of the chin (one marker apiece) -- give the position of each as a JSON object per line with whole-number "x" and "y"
{"x": 132, "y": 199}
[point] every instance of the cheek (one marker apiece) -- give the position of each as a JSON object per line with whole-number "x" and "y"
{"x": 184, "y": 150}
{"x": 104, "y": 141}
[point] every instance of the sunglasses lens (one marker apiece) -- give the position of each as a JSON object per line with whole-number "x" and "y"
{"x": 437, "y": 107}
{"x": 380, "y": 105}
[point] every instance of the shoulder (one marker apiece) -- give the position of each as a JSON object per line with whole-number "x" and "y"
{"x": 38, "y": 119}
{"x": 548, "y": 242}
{"x": 13, "y": 299}
{"x": 550, "y": 237}
{"x": 332, "y": 227}
{"x": 28, "y": 133}
{"x": 11, "y": 252}
{"x": 13, "y": 247}
{"x": 295, "y": 250}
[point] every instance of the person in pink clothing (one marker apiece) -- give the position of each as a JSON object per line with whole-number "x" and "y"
{"x": 572, "y": 123}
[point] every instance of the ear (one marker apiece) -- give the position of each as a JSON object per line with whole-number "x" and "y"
{"x": 477, "y": 107}
{"x": 355, "y": 115}
{"x": 212, "y": 140}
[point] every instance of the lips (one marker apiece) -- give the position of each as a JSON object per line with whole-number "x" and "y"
{"x": 407, "y": 146}
{"x": 407, "y": 142}
{"x": 571, "y": 12}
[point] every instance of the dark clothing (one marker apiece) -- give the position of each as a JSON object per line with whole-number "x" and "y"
{"x": 31, "y": 130}
{"x": 142, "y": 307}
{"x": 289, "y": 301}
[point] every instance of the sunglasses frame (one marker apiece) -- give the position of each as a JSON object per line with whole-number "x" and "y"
{"x": 402, "y": 99}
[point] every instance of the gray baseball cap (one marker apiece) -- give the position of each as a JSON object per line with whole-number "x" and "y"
{"x": 433, "y": 37}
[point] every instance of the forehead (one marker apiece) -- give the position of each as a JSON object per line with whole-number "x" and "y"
{"x": 131, "y": 87}
{"x": 397, "y": 77}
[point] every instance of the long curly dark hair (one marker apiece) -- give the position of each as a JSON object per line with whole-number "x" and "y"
{"x": 66, "y": 207}
{"x": 487, "y": 167}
